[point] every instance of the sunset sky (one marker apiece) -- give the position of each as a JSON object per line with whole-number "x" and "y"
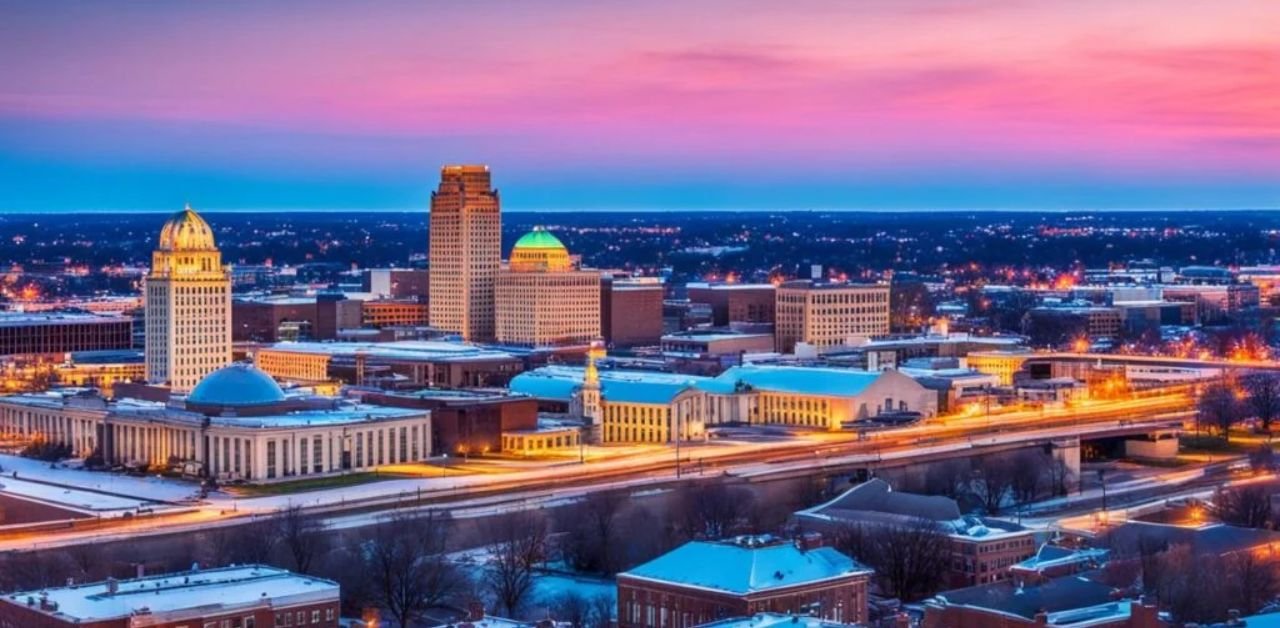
{"x": 690, "y": 104}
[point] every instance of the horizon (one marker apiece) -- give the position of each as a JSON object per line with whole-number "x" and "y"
{"x": 918, "y": 105}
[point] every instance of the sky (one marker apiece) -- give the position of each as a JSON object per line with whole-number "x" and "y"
{"x": 662, "y": 105}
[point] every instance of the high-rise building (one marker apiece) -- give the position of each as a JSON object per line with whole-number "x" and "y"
{"x": 188, "y": 305}
{"x": 828, "y": 314}
{"x": 465, "y": 252}
{"x": 543, "y": 299}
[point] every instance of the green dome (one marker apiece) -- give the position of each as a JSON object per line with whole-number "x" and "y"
{"x": 539, "y": 238}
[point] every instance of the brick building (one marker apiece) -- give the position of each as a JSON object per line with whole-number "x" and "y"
{"x": 1078, "y": 600}
{"x": 393, "y": 312}
{"x": 631, "y": 310}
{"x": 466, "y": 422}
{"x": 705, "y": 581}
{"x": 249, "y": 596}
{"x": 982, "y": 549}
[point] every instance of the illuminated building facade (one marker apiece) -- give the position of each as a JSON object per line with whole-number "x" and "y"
{"x": 188, "y": 305}
{"x": 827, "y": 314}
{"x": 236, "y": 424}
{"x": 543, "y": 300}
{"x": 465, "y": 252}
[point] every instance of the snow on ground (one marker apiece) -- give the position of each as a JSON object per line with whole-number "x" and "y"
{"x": 140, "y": 488}
{"x": 74, "y": 499}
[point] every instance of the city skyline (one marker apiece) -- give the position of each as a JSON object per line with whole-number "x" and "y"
{"x": 886, "y": 106}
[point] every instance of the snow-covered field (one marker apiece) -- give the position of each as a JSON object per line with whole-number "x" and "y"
{"x": 88, "y": 490}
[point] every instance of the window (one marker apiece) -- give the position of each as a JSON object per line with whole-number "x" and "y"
{"x": 315, "y": 616}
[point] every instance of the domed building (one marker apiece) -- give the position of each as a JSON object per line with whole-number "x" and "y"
{"x": 236, "y": 424}
{"x": 543, "y": 298}
{"x": 187, "y": 304}
{"x": 236, "y": 388}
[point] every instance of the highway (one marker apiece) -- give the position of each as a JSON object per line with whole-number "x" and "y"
{"x": 487, "y": 494}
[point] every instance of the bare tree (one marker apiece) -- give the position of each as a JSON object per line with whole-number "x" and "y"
{"x": 713, "y": 510}
{"x": 1027, "y": 469}
{"x": 602, "y": 607}
{"x": 519, "y": 545}
{"x": 403, "y": 558}
{"x": 1248, "y": 506}
{"x": 1218, "y": 408}
{"x": 1058, "y": 475}
{"x": 1251, "y": 582}
{"x": 590, "y": 531}
{"x": 302, "y": 535}
{"x": 572, "y": 608}
{"x": 854, "y": 540}
{"x": 992, "y": 482}
{"x": 910, "y": 560}
{"x": 1264, "y": 399}
{"x": 946, "y": 478}
{"x": 252, "y": 542}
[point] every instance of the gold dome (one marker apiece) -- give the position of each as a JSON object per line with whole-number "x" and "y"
{"x": 186, "y": 231}
{"x": 539, "y": 251}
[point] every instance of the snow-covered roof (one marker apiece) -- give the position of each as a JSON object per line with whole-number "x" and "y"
{"x": 746, "y": 565}
{"x": 409, "y": 350}
{"x": 775, "y": 620}
{"x": 802, "y": 380}
{"x": 209, "y": 590}
{"x": 558, "y": 383}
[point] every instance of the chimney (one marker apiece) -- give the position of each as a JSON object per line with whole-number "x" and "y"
{"x": 475, "y": 610}
{"x": 139, "y": 570}
{"x": 1041, "y": 619}
{"x": 902, "y": 620}
{"x": 113, "y": 586}
{"x": 809, "y": 541}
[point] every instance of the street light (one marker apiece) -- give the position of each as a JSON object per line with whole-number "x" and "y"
{"x": 444, "y": 467}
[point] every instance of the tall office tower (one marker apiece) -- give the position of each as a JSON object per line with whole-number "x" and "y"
{"x": 827, "y": 314}
{"x": 188, "y": 305}
{"x": 466, "y": 250}
{"x": 543, "y": 298}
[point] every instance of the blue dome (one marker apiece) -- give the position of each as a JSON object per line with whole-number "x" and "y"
{"x": 236, "y": 385}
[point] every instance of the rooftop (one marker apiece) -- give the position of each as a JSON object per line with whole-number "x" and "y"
{"x": 27, "y": 319}
{"x": 774, "y": 620}
{"x": 1214, "y": 538}
{"x": 1068, "y": 600}
{"x": 875, "y": 501}
{"x": 746, "y": 565}
{"x": 408, "y": 350}
{"x": 559, "y": 383}
{"x": 230, "y": 588}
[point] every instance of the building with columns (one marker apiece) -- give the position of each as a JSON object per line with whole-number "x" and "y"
{"x": 543, "y": 298}
{"x": 626, "y": 406}
{"x": 465, "y": 252}
{"x": 187, "y": 305}
{"x": 236, "y": 424}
